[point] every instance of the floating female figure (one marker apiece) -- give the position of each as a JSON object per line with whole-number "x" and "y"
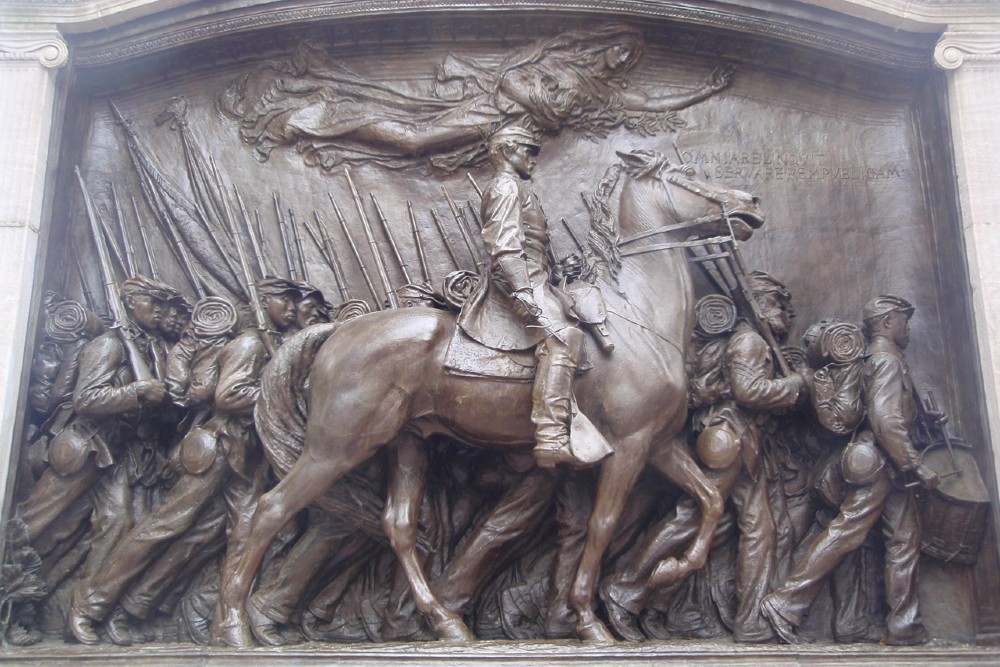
{"x": 331, "y": 115}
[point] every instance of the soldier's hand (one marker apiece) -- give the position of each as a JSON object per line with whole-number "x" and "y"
{"x": 570, "y": 267}
{"x": 927, "y": 477}
{"x": 151, "y": 391}
{"x": 524, "y": 304}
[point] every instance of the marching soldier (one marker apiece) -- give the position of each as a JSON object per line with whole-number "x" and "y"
{"x": 873, "y": 465}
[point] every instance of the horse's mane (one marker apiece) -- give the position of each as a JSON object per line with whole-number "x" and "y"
{"x": 602, "y": 257}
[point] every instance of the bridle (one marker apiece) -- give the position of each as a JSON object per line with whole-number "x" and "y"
{"x": 693, "y": 188}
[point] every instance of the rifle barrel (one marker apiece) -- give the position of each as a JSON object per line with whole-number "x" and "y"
{"x": 331, "y": 255}
{"x": 126, "y": 237}
{"x": 299, "y": 249}
{"x": 251, "y": 285}
{"x": 418, "y": 243}
{"x": 255, "y": 242}
{"x": 140, "y": 369}
{"x": 354, "y": 251}
{"x": 444, "y": 237}
{"x": 463, "y": 227}
{"x": 392, "y": 241}
{"x": 154, "y": 272}
{"x": 390, "y": 293}
{"x": 292, "y": 273}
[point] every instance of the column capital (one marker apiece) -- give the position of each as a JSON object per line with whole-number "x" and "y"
{"x": 958, "y": 47}
{"x": 45, "y": 47}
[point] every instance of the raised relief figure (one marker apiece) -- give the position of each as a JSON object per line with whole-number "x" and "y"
{"x": 875, "y": 465}
{"x": 332, "y": 115}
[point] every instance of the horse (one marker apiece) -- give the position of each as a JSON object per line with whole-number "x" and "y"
{"x": 379, "y": 382}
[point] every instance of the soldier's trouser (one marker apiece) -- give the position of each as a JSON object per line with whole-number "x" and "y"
{"x": 861, "y": 509}
{"x": 756, "y": 555}
{"x": 278, "y": 598}
{"x": 181, "y": 561}
{"x": 111, "y": 519}
{"x": 95, "y": 595}
{"x": 53, "y": 494}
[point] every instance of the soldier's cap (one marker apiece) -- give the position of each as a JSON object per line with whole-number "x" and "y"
{"x": 181, "y": 302}
{"x": 514, "y": 134}
{"x": 278, "y": 287}
{"x": 761, "y": 282}
{"x": 886, "y": 303}
{"x": 141, "y": 285}
{"x": 306, "y": 290}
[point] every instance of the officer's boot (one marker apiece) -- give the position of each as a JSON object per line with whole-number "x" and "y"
{"x": 552, "y": 398}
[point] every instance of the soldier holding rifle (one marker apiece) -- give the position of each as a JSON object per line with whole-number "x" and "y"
{"x": 729, "y": 444}
{"x": 873, "y": 465}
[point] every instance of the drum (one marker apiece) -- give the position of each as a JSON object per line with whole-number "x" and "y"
{"x": 953, "y": 516}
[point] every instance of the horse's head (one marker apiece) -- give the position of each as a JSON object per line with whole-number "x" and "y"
{"x": 668, "y": 194}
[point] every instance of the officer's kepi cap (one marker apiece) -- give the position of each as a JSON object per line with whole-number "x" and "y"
{"x": 515, "y": 134}
{"x": 886, "y": 303}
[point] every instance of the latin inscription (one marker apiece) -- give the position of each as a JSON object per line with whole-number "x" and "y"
{"x": 778, "y": 166}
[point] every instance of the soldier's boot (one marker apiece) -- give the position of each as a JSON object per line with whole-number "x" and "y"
{"x": 553, "y": 406}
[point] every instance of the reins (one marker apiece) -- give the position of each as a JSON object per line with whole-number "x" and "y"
{"x": 705, "y": 219}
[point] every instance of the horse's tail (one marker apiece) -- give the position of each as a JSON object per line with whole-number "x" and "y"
{"x": 281, "y": 414}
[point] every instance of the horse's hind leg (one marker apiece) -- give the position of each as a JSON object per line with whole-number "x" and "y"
{"x": 307, "y": 480}
{"x": 407, "y": 477}
{"x": 676, "y": 463}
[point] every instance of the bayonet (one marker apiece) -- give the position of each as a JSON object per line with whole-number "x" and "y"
{"x": 255, "y": 241}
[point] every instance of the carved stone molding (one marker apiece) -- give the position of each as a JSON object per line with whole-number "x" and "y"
{"x": 46, "y": 48}
{"x": 956, "y": 48}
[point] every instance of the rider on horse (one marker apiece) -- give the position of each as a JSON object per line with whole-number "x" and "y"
{"x": 523, "y": 278}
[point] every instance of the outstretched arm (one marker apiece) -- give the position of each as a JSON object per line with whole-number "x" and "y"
{"x": 636, "y": 100}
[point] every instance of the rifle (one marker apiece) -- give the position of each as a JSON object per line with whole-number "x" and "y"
{"x": 463, "y": 227}
{"x": 293, "y": 274}
{"x": 140, "y": 370}
{"x": 153, "y": 272}
{"x": 88, "y": 296}
{"x": 254, "y": 241}
{"x": 354, "y": 250}
{"x": 444, "y": 237}
{"x": 390, "y": 293}
{"x": 743, "y": 289}
{"x": 316, "y": 237}
{"x": 418, "y": 243}
{"x": 392, "y": 241}
{"x": 331, "y": 257}
{"x": 299, "y": 250}
{"x": 263, "y": 331}
{"x": 126, "y": 240}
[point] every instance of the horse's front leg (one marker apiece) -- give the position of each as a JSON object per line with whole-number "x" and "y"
{"x": 676, "y": 463}
{"x": 618, "y": 476}
{"x": 407, "y": 478}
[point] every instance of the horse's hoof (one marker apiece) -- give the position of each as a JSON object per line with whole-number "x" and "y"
{"x": 232, "y": 630}
{"x": 669, "y": 571}
{"x": 594, "y": 631}
{"x": 454, "y": 630}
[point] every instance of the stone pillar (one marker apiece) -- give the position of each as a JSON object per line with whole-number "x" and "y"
{"x": 29, "y": 61}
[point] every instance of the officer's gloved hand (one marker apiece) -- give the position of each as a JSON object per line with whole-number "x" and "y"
{"x": 569, "y": 267}
{"x": 927, "y": 477}
{"x": 524, "y": 304}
